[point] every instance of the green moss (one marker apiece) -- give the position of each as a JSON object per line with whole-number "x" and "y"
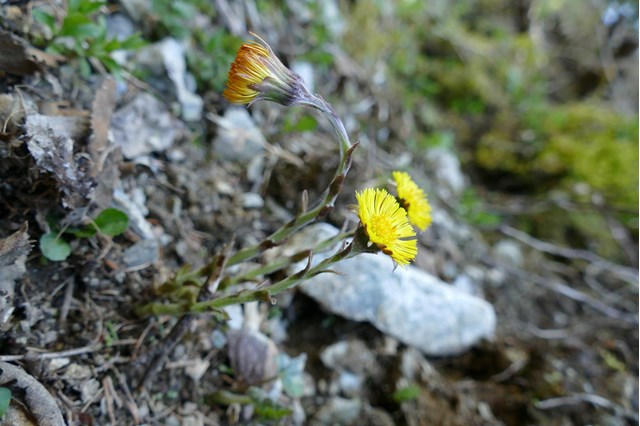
{"x": 596, "y": 146}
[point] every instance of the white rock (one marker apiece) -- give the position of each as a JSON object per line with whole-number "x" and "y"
{"x": 89, "y": 389}
{"x": 409, "y": 304}
{"x": 251, "y": 200}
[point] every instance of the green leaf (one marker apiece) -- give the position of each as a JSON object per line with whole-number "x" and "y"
{"x": 306, "y": 123}
{"x": 112, "y": 222}
{"x": 79, "y": 27}
{"x": 45, "y": 18}
{"x": 132, "y": 42}
{"x": 5, "y": 399}
{"x": 54, "y": 248}
{"x": 88, "y": 7}
{"x": 408, "y": 393}
{"x": 265, "y": 408}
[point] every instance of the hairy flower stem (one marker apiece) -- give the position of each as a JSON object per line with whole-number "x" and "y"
{"x": 358, "y": 245}
{"x": 263, "y": 293}
{"x": 328, "y": 197}
{"x": 281, "y": 263}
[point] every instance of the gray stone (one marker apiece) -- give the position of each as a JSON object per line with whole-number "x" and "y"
{"x": 509, "y": 252}
{"x": 144, "y": 126}
{"x": 350, "y": 384}
{"x": 376, "y": 417}
{"x": 168, "y": 55}
{"x": 251, "y": 200}
{"x": 446, "y": 165}
{"x": 135, "y": 211}
{"x": 409, "y": 304}
{"x": 253, "y": 356}
{"x": 239, "y": 139}
{"x": 353, "y": 356}
{"x": 89, "y": 389}
{"x": 141, "y": 255}
{"x": 338, "y": 411}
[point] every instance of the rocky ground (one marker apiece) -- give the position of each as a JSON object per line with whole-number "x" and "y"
{"x": 490, "y": 326}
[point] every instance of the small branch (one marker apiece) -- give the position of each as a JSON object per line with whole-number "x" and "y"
{"x": 68, "y": 353}
{"x": 160, "y": 354}
{"x": 597, "y": 400}
{"x": 568, "y": 292}
{"x": 40, "y": 402}
{"x": 627, "y": 274}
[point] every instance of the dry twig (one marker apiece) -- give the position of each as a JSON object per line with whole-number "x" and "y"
{"x": 627, "y": 274}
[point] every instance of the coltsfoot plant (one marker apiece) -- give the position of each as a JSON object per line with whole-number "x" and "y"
{"x": 385, "y": 220}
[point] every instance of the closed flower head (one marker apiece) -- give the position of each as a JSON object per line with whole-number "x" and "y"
{"x": 386, "y": 225}
{"x": 414, "y": 200}
{"x": 257, "y": 74}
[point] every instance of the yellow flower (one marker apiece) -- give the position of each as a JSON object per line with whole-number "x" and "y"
{"x": 414, "y": 200}
{"x": 257, "y": 74}
{"x": 386, "y": 225}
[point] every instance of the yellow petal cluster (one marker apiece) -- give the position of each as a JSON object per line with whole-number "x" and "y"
{"x": 386, "y": 224}
{"x": 414, "y": 200}
{"x": 247, "y": 71}
{"x": 257, "y": 73}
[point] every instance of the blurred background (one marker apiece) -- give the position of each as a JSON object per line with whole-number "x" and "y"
{"x": 519, "y": 118}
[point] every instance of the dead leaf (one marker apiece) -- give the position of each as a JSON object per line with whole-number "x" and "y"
{"x": 101, "y": 112}
{"x": 13, "y": 254}
{"x": 105, "y": 154}
{"x": 18, "y": 57}
{"x": 14, "y": 246}
{"x": 39, "y": 401}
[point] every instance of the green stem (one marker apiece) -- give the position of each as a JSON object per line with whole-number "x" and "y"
{"x": 250, "y": 295}
{"x": 273, "y": 289}
{"x": 329, "y": 196}
{"x": 282, "y": 263}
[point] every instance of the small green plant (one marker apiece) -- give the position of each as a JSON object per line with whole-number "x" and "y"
{"x": 209, "y": 59}
{"x": 407, "y": 393}
{"x": 265, "y": 408}
{"x": 5, "y": 399}
{"x": 82, "y": 35}
{"x": 112, "y": 333}
{"x": 110, "y": 222}
{"x": 306, "y": 123}
{"x": 175, "y": 18}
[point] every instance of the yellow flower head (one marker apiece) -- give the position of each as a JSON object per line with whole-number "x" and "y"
{"x": 257, "y": 74}
{"x": 386, "y": 225}
{"x": 414, "y": 200}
